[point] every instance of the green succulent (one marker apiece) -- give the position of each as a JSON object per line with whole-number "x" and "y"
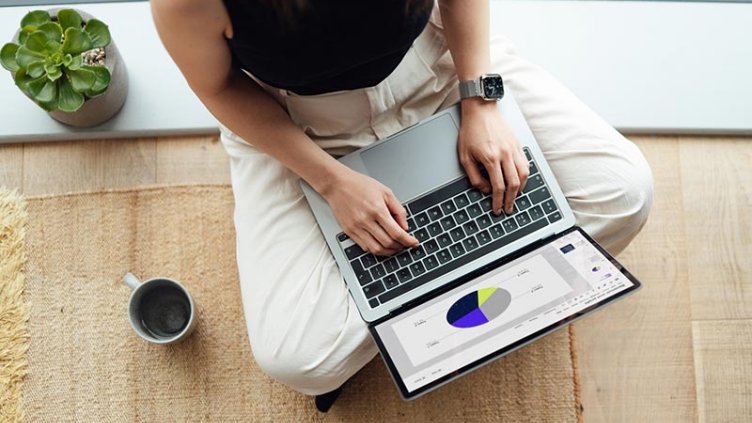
{"x": 47, "y": 64}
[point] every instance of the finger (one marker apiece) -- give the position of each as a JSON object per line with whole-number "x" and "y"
{"x": 523, "y": 168}
{"x": 387, "y": 245}
{"x": 398, "y": 212}
{"x": 497, "y": 185}
{"x": 512, "y": 180}
{"x": 365, "y": 241}
{"x": 397, "y": 232}
{"x": 473, "y": 173}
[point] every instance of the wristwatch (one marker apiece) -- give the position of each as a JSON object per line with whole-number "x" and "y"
{"x": 489, "y": 87}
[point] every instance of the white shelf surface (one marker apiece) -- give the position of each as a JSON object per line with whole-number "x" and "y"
{"x": 660, "y": 67}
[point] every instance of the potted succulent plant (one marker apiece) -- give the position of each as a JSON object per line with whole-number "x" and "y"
{"x": 65, "y": 61}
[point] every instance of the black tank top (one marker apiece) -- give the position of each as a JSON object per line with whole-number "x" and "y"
{"x": 330, "y": 45}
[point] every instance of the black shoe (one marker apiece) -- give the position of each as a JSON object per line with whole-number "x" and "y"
{"x": 325, "y": 401}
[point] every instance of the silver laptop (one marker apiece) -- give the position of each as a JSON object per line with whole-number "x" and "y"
{"x": 479, "y": 285}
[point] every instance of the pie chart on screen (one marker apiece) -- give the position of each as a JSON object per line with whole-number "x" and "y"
{"x": 478, "y": 307}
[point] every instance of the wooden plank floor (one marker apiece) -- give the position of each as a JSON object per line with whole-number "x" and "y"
{"x": 679, "y": 350}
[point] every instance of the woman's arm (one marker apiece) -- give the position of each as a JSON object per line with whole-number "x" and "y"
{"x": 485, "y": 138}
{"x": 194, "y": 33}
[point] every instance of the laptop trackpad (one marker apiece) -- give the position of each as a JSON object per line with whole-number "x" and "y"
{"x": 417, "y": 160}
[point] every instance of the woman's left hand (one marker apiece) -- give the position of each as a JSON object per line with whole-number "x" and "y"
{"x": 487, "y": 142}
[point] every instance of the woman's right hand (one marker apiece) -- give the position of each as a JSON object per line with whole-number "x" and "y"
{"x": 369, "y": 213}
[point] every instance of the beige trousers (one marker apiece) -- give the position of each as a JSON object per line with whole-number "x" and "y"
{"x": 304, "y": 328}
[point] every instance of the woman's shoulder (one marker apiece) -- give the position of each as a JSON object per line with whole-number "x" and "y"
{"x": 202, "y": 14}
{"x": 183, "y": 8}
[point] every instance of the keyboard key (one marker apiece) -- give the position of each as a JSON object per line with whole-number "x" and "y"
{"x": 373, "y": 302}
{"x": 368, "y": 260}
{"x": 444, "y": 256}
{"x": 378, "y": 271}
{"x": 484, "y": 221}
{"x": 404, "y": 275}
{"x": 496, "y": 230}
{"x": 364, "y": 277}
{"x": 417, "y": 268}
{"x": 457, "y": 262}
{"x": 421, "y": 235}
{"x": 527, "y": 154}
{"x": 470, "y": 244}
{"x": 474, "y": 211}
{"x": 461, "y": 201}
{"x": 391, "y": 281}
{"x": 483, "y": 238}
{"x": 485, "y": 204}
{"x": 474, "y": 195}
{"x": 495, "y": 218}
{"x": 549, "y": 206}
{"x": 373, "y": 289}
{"x": 343, "y": 237}
{"x": 523, "y": 218}
{"x": 356, "y": 266}
{"x": 391, "y": 265}
{"x": 411, "y": 225}
{"x": 509, "y": 225}
{"x": 457, "y": 234}
{"x": 536, "y": 213}
{"x": 470, "y": 228}
{"x": 533, "y": 168}
{"x": 435, "y": 213}
{"x": 444, "y": 240}
{"x": 448, "y": 207}
{"x": 353, "y": 251}
{"x": 533, "y": 182}
{"x": 404, "y": 258}
{"x": 457, "y": 250}
{"x": 433, "y": 198}
{"x": 539, "y": 195}
{"x": 431, "y": 246}
{"x": 448, "y": 223}
{"x": 522, "y": 203}
{"x": 553, "y": 217}
{"x": 461, "y": 217}
{"x": 422, "y": 220}
{"x": 435, "y": 229}
{"x": 430, "y": 262}
{"x": 418, "y": 253}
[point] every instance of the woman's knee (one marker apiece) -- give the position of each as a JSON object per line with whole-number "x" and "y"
{"x": 313, "y": 343}
{"x": 299, "y": 375}
{"x": 303, "y": 369}
{"x": 618, "y": 210}
{"x": 637, "y": 186}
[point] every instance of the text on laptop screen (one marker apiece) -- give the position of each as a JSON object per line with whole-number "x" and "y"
{"x": 499, "y": 308}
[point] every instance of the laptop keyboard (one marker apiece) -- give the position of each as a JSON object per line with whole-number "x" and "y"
{"x": 455, "y": 225}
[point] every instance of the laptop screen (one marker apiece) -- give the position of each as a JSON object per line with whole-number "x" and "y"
{"x": 520, "y": 299}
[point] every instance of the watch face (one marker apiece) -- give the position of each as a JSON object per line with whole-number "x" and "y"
{"x": 493, "y": 86}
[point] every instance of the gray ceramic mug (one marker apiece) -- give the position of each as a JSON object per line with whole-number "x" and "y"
{"x": 160, "y": 309}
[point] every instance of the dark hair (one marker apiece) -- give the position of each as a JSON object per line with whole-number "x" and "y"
{"x": 288, "y": 11}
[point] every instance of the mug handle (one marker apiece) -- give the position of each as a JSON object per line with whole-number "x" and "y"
{"x": 131, "y": 280}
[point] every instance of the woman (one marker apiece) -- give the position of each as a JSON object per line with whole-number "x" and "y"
{"x": 295, "y": 82}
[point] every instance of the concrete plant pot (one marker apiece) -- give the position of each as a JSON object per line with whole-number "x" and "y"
{"x": 103, "y": 107}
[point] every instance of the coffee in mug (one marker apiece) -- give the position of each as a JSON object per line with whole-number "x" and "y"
{"x": 161, "y": 310}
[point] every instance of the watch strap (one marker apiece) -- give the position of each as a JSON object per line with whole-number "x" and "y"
{"x": 470, "y": 89}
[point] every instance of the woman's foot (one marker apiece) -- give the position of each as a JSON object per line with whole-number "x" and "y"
{"x": 325, "y": 401}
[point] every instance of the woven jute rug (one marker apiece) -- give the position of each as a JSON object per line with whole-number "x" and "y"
{"x": 86, "y": 364}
